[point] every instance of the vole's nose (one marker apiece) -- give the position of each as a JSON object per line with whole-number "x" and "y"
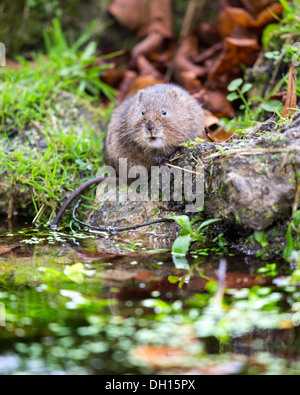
{"x": 150, "y": 126}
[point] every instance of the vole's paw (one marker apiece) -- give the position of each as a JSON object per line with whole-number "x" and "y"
{"x": 162, "y": 160}
{"x": 177, "y": 154}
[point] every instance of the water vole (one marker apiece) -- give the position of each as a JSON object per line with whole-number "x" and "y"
{"x": 146, "y": 129}
{"x": 151, "y": 125}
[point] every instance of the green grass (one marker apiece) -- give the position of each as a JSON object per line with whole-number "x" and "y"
{"x": 60, "y": 136}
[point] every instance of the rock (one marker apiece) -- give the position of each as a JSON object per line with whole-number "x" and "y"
{"x": 250, "y": 184}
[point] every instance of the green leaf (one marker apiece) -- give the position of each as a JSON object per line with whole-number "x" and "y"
{"x": 233, "y": 96}
{"x": 236, "y": 84}
{"x": 246, "y": 88}
{"x": 174, "y": 279}
{"x": 207, "y": 223}
{"x": 261, "y": 238}
{"x": 271, "y": 106}
{"x": 286, "y": 5}
{"x": 275, "y": 55}
{"x": 182, "y": 245}
{"x": 184, "y": 222}
{"x": 180, "y": 262}
{"x": 290, "y": 247}
{"x": 296, "y": 276}
{"x": 268, "y": 35}
{"x": 75, "y": 273}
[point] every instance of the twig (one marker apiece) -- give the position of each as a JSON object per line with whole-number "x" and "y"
{"x": 186, "y": 170}
{"x": 41, "y": 210}
{"x": 254, "y": 151}
{"x": 297, "y": 197}
{"x": 10, "y": 208}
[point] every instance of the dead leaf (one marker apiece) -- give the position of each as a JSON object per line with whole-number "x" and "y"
{"x": 256, "y": 6}
{"x": 291, "y": 101}
{"x": 141, "y": 82}
{"x": 4, "y": 249}
{"x": 145, "y": 67}
{"x": 221, "y": 135}
{"x": 129, "y": 13}
{"x": 183, "y": 60}
{"x": 236, "y": 52}
{"x": 217, "y": 133}
{"x": 155, "y": 16}
{"x": 236, "y": 22}
{"x": 189, "y": 81}
{"x": 216, "y": 102}
{"x": 159, "y": 357}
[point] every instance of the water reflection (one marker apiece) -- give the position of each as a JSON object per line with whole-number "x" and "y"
{"x": 82, "y": 305}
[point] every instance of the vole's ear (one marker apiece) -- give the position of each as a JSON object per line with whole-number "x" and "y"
{"x": 140, "y": 95}
{"x": 176, "y": 93}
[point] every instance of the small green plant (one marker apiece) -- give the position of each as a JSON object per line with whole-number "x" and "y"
{"x": 269, "y": 270}
{"x": 253, "y": 107}
{"x": 293, "y": 237}
{"x": 188, "y": 234}
{"x": 77, "y": 68}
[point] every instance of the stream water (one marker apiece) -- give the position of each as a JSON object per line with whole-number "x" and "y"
{"x": 77, "y": 303}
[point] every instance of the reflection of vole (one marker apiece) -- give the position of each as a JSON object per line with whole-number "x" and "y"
{"x": 146, "y": 130}
{"x": 149, "y": 127}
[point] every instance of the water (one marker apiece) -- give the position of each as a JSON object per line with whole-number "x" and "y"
{"x": 85, "y": 304}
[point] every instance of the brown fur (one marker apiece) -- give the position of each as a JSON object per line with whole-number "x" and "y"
{"x": 171, "y": 117}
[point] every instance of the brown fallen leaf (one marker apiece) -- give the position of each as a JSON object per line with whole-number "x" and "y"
{"x": 256, "y": 6}
{"x": 220, "y": 135}
{"x": 124, "y": 88}
{"x": 141, "y": 82}
{"x": 146, "y": 68}
{"x": 291, "y": 101}
{"x": 159, "y": 357}
{"x": 217, "y": 134}
{"x": 153, "y": 21}
{"x": 236, "y": 52}
{"x": 183, "y": 60}
{"x": 237, "y": 22}
{"x": 4, "y": 249}
{"x": 216, "y": 102}
{"x": 189, "y": 81}
{"x": 211, "y": 120}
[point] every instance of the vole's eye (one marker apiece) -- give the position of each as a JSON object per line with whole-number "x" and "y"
{"x": 164, "y": 113}
{"x": 143, "y": 113}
